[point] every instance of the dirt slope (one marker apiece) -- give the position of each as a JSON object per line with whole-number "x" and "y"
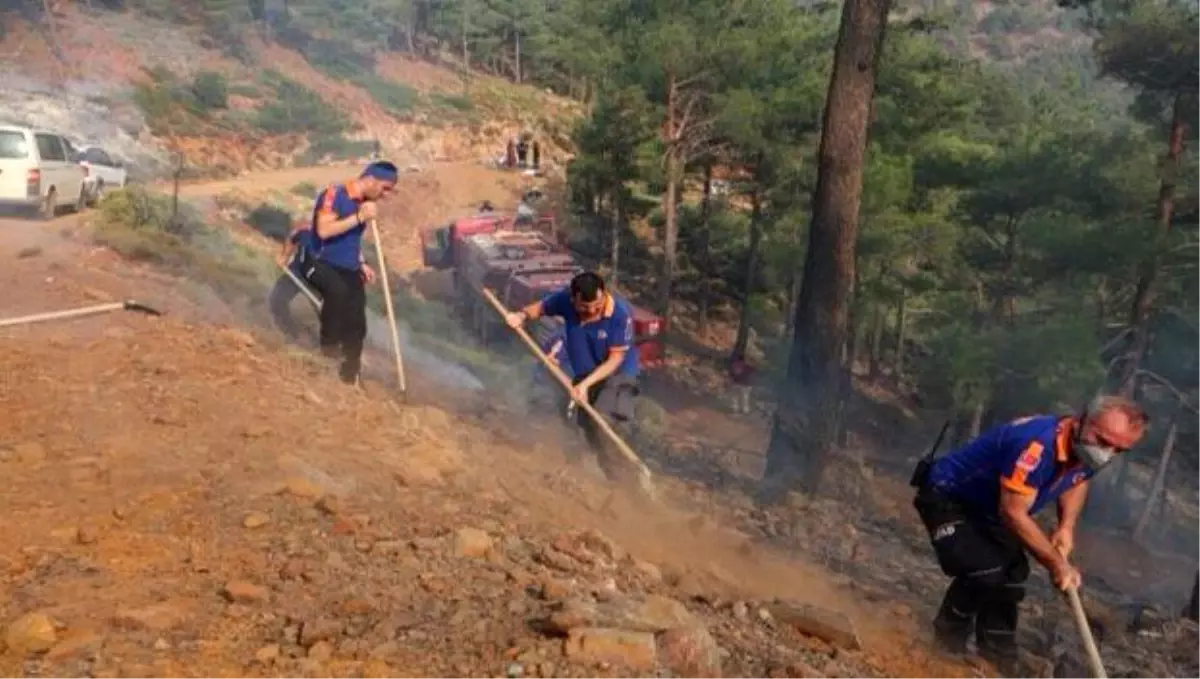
{"x": 189, "y": 499}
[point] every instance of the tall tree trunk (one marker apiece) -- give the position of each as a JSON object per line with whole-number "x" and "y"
{"x": 1160, "y": 476}
{"x": 975, "y": 426}
{"x": 466, "y": 54}
{"x": 617, "y": 224}
{"x": 705, "y": 213}
{"x": 1192, "y": 611}
{"x": 743, "y": 332}
{"x": 875, "y": 357}
{"x": 1143, "y": 297}
{"x": 517, "y": 55}
{"x": 793, "y": 298}
{"x": 901, "y": 326}
{"x": 855, "y": 323}
{"x": 807, "y": 421}
{"x": 670, "y": 200}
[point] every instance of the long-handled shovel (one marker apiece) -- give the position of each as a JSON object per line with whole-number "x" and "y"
{"x": 308, "y": 294}
{"x": 1085, "y": 631}
{"x": 127, "y": 305}
{"x": 391, "y": 311}
{"x": 644, "y": 478}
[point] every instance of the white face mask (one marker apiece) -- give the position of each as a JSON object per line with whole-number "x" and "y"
{"x": 1094, "y": 457}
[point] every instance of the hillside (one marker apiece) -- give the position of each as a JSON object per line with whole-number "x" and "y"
{"x": 175, "y": 525}
{"x": 149, "y": 88}
{"x": 188, "y": 495}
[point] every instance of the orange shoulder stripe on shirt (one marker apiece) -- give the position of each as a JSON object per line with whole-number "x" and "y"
{"x": 327, "y": 199}
{"x": 1018, "y": 481}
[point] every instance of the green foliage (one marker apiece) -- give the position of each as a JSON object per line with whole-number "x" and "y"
{"x": 211, "y": 90}
{"x": 335, "y": 147}
{"x": 305, "y": 189}
{"x": 295, "y": 109}
{"x": 140, "y": 225}
{"x": 272, "y": 221}
{"x": 171, "y": 106}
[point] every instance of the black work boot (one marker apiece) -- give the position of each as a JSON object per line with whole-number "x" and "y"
{"x": 952, "y": 627}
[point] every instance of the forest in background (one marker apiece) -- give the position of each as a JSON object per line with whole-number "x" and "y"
{"x": 1026, "y": 232}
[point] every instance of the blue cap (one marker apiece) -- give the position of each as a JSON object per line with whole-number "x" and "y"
{"x": 382, "y": 170}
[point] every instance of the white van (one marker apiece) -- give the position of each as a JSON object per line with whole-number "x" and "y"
{"x": 38, "y": 170}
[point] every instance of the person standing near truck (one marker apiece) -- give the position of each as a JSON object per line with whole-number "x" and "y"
{"x": 598, "y": 343}
{"x": 336, "y": 266}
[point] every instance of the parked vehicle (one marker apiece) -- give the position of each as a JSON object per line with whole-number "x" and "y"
{"x": 38, "y": 171}
{"x": 103, "y": 172}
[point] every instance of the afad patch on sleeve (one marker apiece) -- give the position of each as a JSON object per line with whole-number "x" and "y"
{"x": 1030, "y": 459}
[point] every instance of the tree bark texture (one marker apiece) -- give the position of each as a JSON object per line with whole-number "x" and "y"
{"x": 806, "y": 423}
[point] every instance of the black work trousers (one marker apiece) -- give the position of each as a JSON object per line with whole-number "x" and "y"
{"x": 343, "y": 314}
{"x": 989, "y": 568}
{"x": 615, "y": 398}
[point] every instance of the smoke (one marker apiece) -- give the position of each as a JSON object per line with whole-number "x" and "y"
{"x": 428, "y": 363}
{"x": 84, "y": 110}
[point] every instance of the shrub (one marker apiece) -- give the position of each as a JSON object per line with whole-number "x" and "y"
{"x": 211, "y": 90}
{"x": 335, "y": 147}
{"x": 458, "y": 102}
{"x": 298, "y": 109}
{"x": 139, "y": 224}
{"x": 306, "y": 189}
{"x": 271, "y": 221}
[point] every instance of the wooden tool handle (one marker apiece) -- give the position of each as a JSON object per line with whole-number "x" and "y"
{"x": 391, "y": 311}
{"x": 1085, "y": 631}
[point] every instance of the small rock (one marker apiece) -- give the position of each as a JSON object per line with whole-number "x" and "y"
{"x": 330, "y": 505}
{"x": 86, "y": 535}
{"x": 554, "y": 590}
{"x": 157, "y": 617}
{"x": 294, "y": 569}
{"x": 634, "y": 650}
{"x": 648, "y": 571}
{"x": 321, "y": 629}
{"x": 472, "y": 542}
{"x": 385, "y": 650}
{"x": 267, "y": 655}
{"x": 514, "y": 670}
{"x": 320, "y": 651}
{"x": 161, "y": 644}
{"x": 244, "y": 592}
{"x": 824, "y": 624}
{"x": 356, "y": 607}
{"x": 741, "y": 611}
{"x": 256, "y": 520}
{"x": 77, "y": 643}
{"x": 301, "y": 487}
{"x": 120, "y": 514}
{"x": 30, "y": 452}
{"x": 30, "y": 633}
{"x": 690, "y": 652}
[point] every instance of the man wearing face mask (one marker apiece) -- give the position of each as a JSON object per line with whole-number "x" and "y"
{"x": 978, "y": 504}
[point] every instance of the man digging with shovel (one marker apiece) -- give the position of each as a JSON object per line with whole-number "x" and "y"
{"x": 978, "y": 504}
{"x": 598, "y": 343}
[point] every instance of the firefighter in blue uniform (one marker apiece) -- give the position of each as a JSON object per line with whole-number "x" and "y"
{"x": 978, "y": 502}
{"x": 598, "y": 343}
{"x": 335, "y": 264}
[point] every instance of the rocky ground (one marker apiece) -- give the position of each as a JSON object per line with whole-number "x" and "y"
{"x": 187, "y": 496}
{"x": 187, "y": 499}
